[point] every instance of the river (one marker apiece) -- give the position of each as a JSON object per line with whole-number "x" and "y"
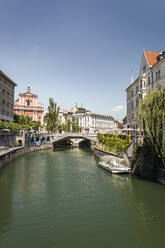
{"x": 63, "y": 199}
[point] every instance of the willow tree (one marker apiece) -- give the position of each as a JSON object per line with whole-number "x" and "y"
{"x": 52, "y": 120}
{"x": 151, "y": 117}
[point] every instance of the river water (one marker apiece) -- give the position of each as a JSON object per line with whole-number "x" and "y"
{"x": 62, "y": 199}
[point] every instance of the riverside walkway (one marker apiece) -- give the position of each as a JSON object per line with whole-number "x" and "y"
{"x": 5, "y": 150}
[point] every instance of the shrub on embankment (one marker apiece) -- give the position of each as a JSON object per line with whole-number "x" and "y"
{"x": 113, "y": 142}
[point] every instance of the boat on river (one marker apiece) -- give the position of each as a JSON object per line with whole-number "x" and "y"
{"x": 114, "y": 170}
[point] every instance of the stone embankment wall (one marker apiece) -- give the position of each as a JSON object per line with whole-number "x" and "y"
{"x": 147, "y": 168}
{"x": 160, "y": 175}
{"x": 7, "y": 140}
{"x": 16, "y": 152}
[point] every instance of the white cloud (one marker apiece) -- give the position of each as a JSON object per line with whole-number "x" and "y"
{"x": 117, "y": 108}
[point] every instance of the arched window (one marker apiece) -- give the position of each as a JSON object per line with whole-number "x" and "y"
{"x": 28, "y": 103}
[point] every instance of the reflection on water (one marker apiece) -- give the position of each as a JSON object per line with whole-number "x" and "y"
{"x": 6, "y": 182}
{"x": 64, "y": 199}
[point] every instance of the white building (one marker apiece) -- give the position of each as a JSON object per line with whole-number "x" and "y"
{"x": 90, "y": 122}
{"x": 151, "y": 75}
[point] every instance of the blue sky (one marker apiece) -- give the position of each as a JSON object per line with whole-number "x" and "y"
{"x": 80, "y": 51}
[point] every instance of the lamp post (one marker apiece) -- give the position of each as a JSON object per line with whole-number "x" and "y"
{"x": 158, "y": 85}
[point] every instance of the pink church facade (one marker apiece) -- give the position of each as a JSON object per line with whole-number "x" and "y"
{"x": 27, "y": 104}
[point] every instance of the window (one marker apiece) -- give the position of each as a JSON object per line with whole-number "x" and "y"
{"x": 144, "y": 68}
{"x": 137, "y": 88}
{"x": 28, "y": 103}
{"x": 3, "y": 102}
{"x": 137, "y": 102}
{"x": 148, "y": 80}
{"x": 158, "y": 75}
{"x": 132, "y": 105}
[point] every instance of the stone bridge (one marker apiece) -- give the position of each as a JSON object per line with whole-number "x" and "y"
{"x": 75, "y": 140}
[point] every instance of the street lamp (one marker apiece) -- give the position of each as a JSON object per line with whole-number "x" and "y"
{"x": 139, "y": 94}
{"x": 158, "y": 85}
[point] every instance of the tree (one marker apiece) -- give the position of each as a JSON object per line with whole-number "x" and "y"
{"x": 26, "y": 122}
{"x": 60, "y": 127}
{"x": 23, "y": 119}
{"x": 151, "y": 117}
{"x": 52, "y": 116}
{"x": 68, "y": 126}
{"x": 75, "y": 125}
{"x": 124, "y": 120}
{"x": 36, "y": 125}
{"x": 64, "y": 127}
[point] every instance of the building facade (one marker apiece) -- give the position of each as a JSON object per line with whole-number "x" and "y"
{"x": 7, "y": 87}
{"x": 90, "y": 122}
{"x": 27, "y": 104}
{"x": 151, "y": 75}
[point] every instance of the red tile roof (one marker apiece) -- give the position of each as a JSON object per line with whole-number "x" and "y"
{"x": 151, "y": 57}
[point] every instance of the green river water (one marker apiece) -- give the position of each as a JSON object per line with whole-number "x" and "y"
{"x": 63, "y": 199}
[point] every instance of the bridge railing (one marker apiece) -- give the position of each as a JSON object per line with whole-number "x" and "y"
{"x": 75, "y": 134}
{"x": 91, "y": 137}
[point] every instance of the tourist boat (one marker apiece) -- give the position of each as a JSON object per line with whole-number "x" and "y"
{"x": 114, "y": 170}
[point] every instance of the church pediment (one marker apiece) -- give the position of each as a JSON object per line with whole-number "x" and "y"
{"x": 27, "y": 94}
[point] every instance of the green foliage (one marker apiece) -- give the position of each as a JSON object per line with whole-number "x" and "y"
{"x": 71, "y": 126}
{"x": 23, "y": 119}
{"x": 64, "y": 127}
{"x": 124, "y": 120}
{"x": 136, "y": 153}
{"x": 75, "y": 125}
{"x": 68, "y": 126}
{"x": 26, "y": 122}
{"x": 151, "y": 117}
{"x": 60, "y": 127}
{"x": 52, "y": 116}
{"x": 14, "y": 127}
{"x": 115, "y": 142}
{"x": 36, "y": 125}
{"x": 20, "y": 122}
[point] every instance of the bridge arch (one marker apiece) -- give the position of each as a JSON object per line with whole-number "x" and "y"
{"x": 74, "y": 140}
